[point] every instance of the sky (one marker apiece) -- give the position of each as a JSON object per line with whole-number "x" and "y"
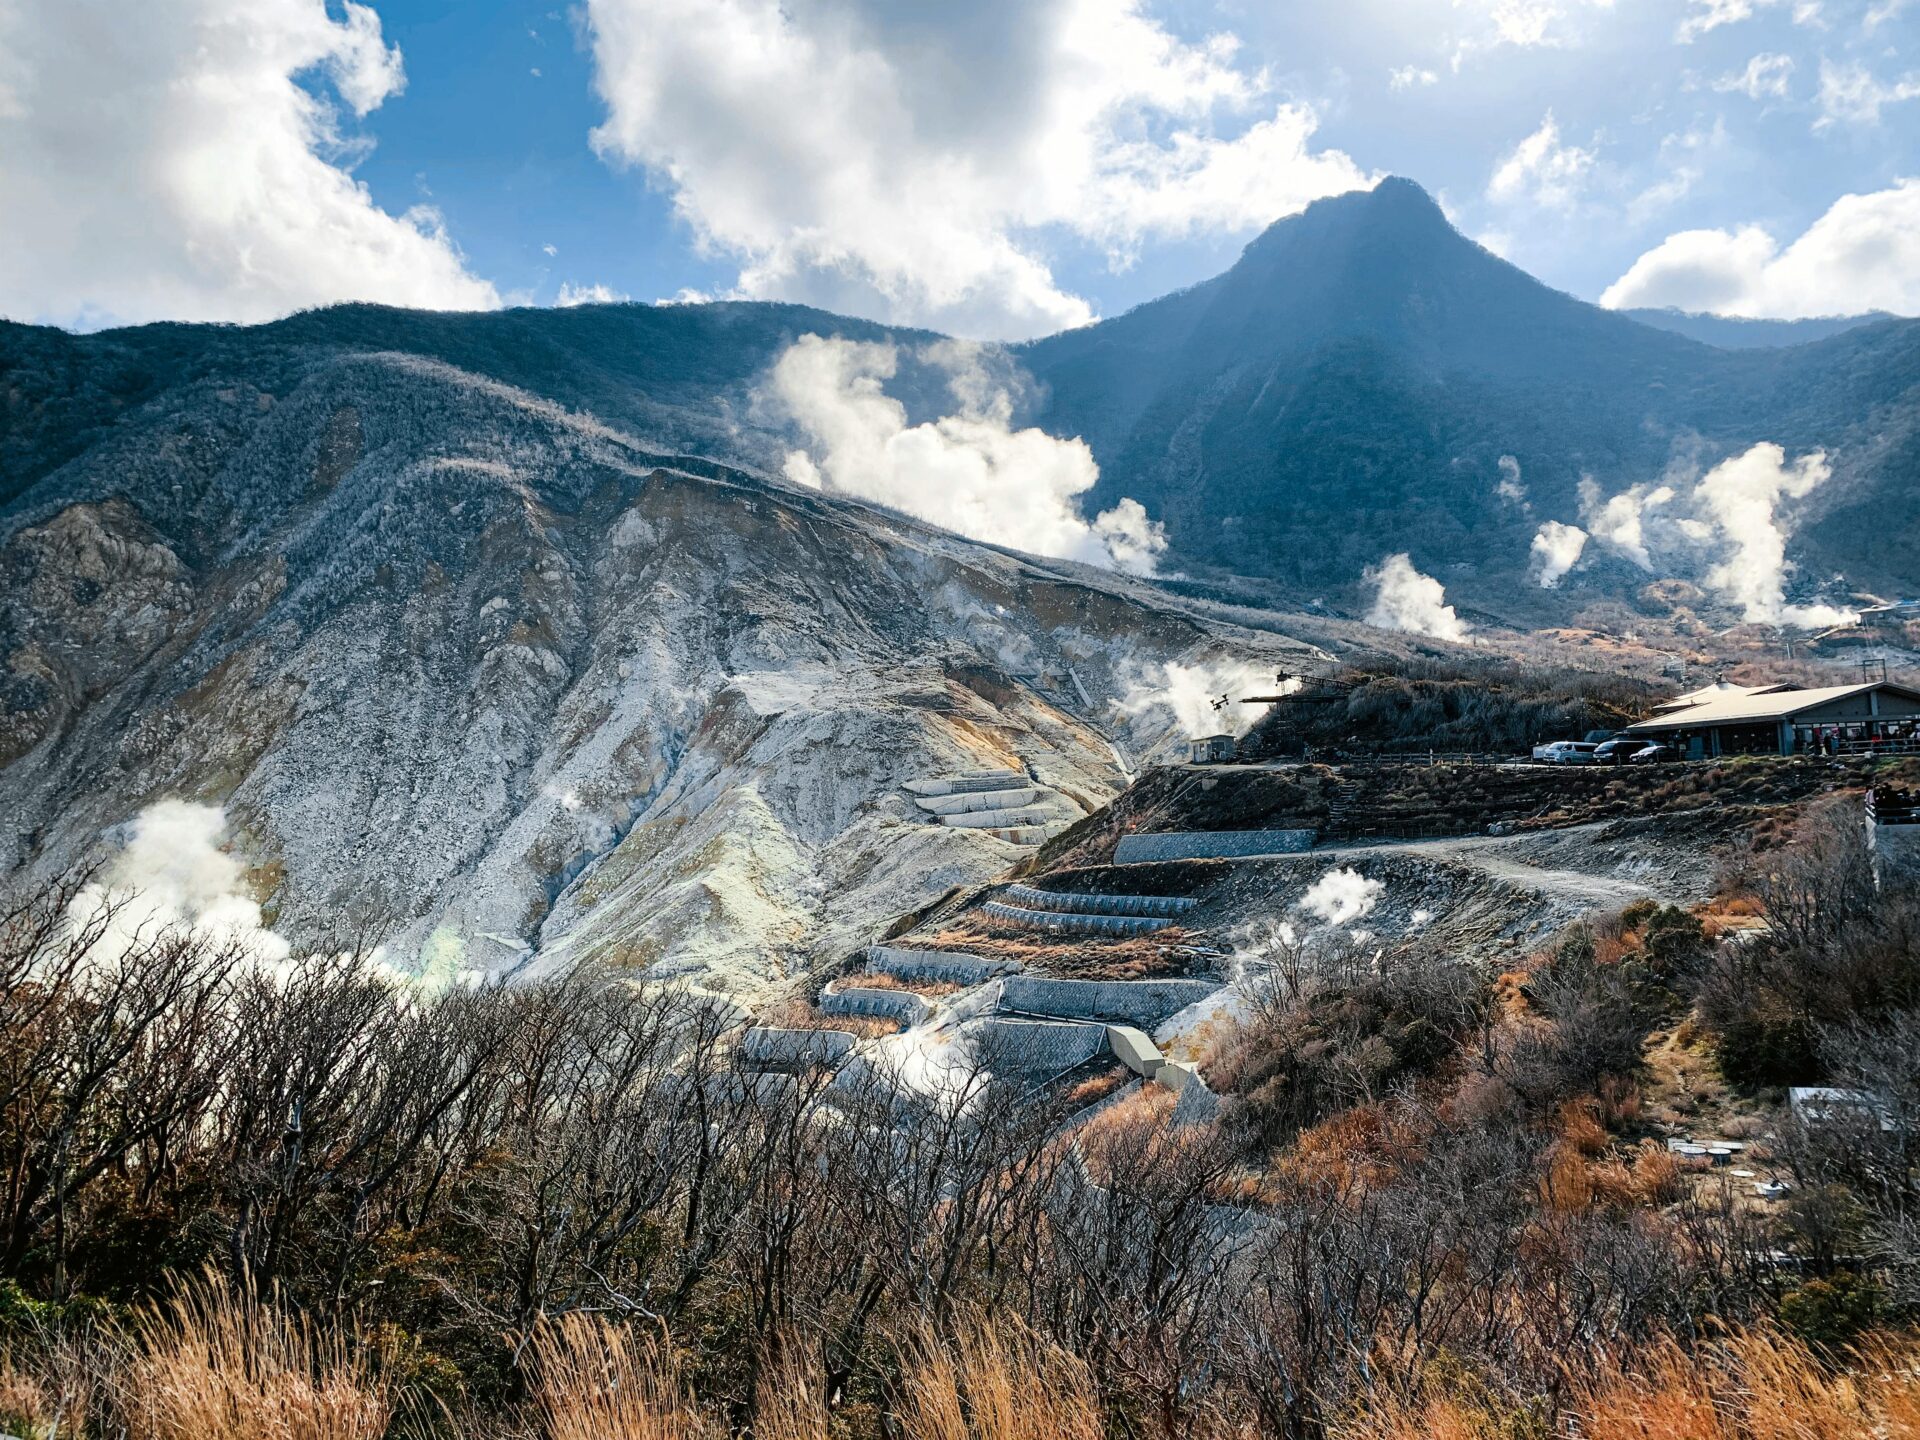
{"x": 994, "y": 170}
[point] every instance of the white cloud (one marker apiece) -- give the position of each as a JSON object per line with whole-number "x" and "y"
{"x": 1528, "y": 24}
{"x": 970, "y": 471}
{"x": 160, "y": 159}
{"x": 911, "y": 162}
{"x": 1881, "y": 13}
{"x": 549, "y": 250}
{"x": 1863, "y": 254}
{"x": 1411, "y": 77}
{"x": 1767, "y": 76}
{"x": 1740, "y": 497}
{"x": 1851, "y": 94}
{"x": 1687, "y": 156}
{"x": 1404, "y": 599}
{"x": 1542, "y": 170}
{"x": 1709, "y": 15}
{"x": 571, "y": 294}
{"x": 1556, "y": 549}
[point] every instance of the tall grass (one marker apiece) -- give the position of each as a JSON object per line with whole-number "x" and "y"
{"x": 596, "y": 1380}
{"x": 218, "y": 1364}
{"x": 995, "y": 1380}
{"x": 1754, "y": 1385}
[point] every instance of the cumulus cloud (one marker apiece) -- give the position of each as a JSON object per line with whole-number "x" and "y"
{"x": 900, "y": 161}
{"x": 1556, "y": 549}
{"x": 1740, "y": 497}
{"x": 1411, "y": 77}
{"x": 163, "y": 159}
{"x": 1863, "y": 254}
{"x": 1542, "y": 170}
{"x": 1199, "y": 698}
{"x": 1342, "y": 896}
{"x": 1406, "y": 600}
{"x": 970, "y": 471}
{"x": 170, "y": 873}
{"x": 596, "y": 294}
{"x": 1767, "y": 76}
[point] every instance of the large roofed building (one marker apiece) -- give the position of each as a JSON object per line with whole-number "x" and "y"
{"x": 1776, "y": 720}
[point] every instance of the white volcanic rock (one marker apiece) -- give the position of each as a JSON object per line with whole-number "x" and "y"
{"x": 499, "y": 686}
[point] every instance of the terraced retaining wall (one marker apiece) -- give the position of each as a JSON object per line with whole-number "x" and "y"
{"x": 1067, "y": 902}
{"x": 978, "y": 800}
{"x": 764, "y": 1045}
{"x": 993, "y": 819}
{"x": 961, "y": 784}
{"x": 1037, "y": 1047}
{"x": 948, "y": 966}
{"x": 1135, "y": 1002}
{"x": 901, "y": 1005}
{"x": 1211, "y": 845}
{"x": 1069, "y": 924}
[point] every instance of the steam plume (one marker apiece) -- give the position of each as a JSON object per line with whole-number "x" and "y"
{"x": 171, "y": 874}
{"x": 1183, "y": 696}
{"x": 1409, "y": 601}
{"x": 969, "y": 471}
{"x": 1342, "y": 896}
{"x": 1621, "y": 521}
{"x": 1510, "y": 487}
{"x": 1740, "y": 496}
{"x": 1556, "y": 549}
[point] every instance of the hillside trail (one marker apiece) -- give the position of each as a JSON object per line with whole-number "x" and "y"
{"x": 1505, "y": 858}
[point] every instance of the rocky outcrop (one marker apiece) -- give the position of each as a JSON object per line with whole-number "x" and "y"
{"x": 504, "y": 688}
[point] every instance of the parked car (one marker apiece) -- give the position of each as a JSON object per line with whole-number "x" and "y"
{"x": 1653, "y": 755}
{"x": 1618, "y": 750}
{"x": 1565, "y": 752}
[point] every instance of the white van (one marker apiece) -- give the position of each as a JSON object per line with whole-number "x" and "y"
{"x": 1566, "y": 752}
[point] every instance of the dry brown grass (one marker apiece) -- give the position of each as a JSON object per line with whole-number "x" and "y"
{"x": 880, "y": 980}
{"x": 1362, "y": 1148}
{"x": 216, "y": 1364}
{"x": 1098, "y": 1087}
{"x": 995, "y": 1380}
{"x": 789, "y": 1401}
{"x": 52, "y": 1398}
{"x": 596, "y": 1380}
{"x": 1756, "y": 1385}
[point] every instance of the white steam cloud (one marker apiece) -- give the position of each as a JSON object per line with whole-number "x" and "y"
{"x": 1740, "y": 496}
{"x": 1556, "y": 549}
{"x": 1407, "y": 600}
{"x": 172, "y": 874}
{"x": 1340, "y": 897}
{"x": 970, "y": 471}
{"x": 1186, "y": 696}
{"x": 1621, "y": 521}
{"x": 1732, "y": 515}
{"x": 1510, "y": 487}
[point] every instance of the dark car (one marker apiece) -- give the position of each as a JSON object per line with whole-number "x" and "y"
{"x": 1617, "y": 752}
{"x": 1653, "y": 755}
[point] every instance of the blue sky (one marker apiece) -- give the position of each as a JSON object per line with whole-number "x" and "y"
{"x": 998, "y": 168}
